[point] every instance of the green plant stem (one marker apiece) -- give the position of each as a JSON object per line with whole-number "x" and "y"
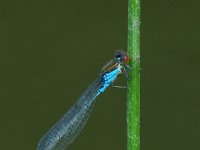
{"x": 133, "y": 103}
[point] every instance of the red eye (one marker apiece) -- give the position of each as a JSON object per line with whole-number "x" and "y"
{"x": 126, "y": 59}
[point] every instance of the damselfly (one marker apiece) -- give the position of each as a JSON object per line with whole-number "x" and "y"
{"x": 70, "y": 125}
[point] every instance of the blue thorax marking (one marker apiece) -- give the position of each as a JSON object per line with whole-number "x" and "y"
{"x": 108, "y": 78}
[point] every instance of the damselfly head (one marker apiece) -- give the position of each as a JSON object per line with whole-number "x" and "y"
{"x": 122, "y": 57}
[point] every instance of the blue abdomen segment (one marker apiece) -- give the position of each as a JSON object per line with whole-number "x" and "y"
{"x": 107, "y": 79}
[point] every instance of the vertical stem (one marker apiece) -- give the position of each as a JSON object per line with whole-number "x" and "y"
{"x": 133, "y": 103}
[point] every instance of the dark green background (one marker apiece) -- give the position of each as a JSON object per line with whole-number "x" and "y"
{"x": 50, "y": 51}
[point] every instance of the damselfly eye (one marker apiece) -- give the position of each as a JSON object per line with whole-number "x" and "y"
{"x": 122, "y": 57}
{"x": 126, "y": 59}
{"x": 118, "y": 57}
{"x": 118, "y": 54}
